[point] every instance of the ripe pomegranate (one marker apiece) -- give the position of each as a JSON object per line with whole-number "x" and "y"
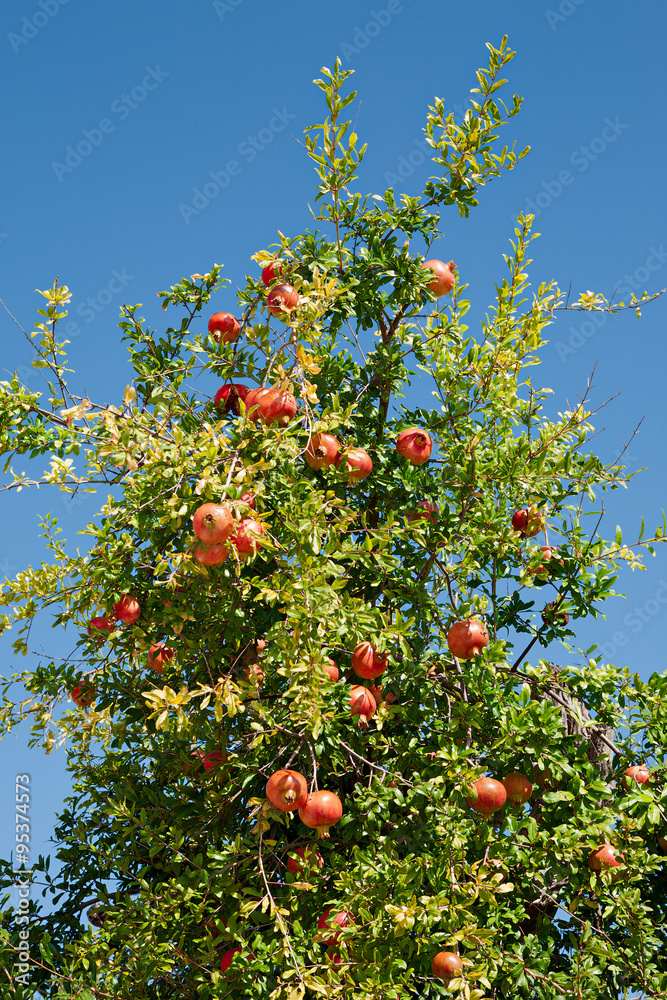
{"x": 322, "y": 810}
{"x": 362, "y": 703}
{"x": 367, "y": 662}
{"x": 248, "y": 498}
{"x": 277, "y": 407}
{"x": 543, "y": 778}
{"x": 322, "y": 451}
{"x": 491, "y": 796}
{"x": 444, "y": 279}
{"x": 447, "y": 965}
{"x": 305, "y": 861}
{"x": 358, "y": 464}
{"x": 335, "y": 956}
{"x": 249, "y": 536}
{"x": 331, "y": 670}
{"x": 528, "y": 522}
{"x": 662, "y": 843}
{"x": 287, "y": 790}
{"x": 427, "y": 510}
{"x": 212, "y": 523}
{"x": 467, "y": 638}
{"x": 272, "y": 272}
{"x": 127, "y": 609}
{"x": 213, "y": 759}
{"x": 331, "y": 927}
{"x": 159, "y": 654}
{"x": 252, "y": 408}
{"x": 639, "y": 774}
{"x": 254, "y": 674}
{"x": 225, "y": 327}
{"x": 389, "y": 698}
{"x": 229, "y": 397}
{"x": 228, "y": 958}
{"x": 282, "y": 300}
{"x": 83, "y": 694}
{"x": 211, "y": 555}
{"x": 415, "y": 445}
{"x": 552, "y": 617}
{"x": 518, "y": 788}
{"x": 604, "y": 858}
{"x": 98, "y": 625}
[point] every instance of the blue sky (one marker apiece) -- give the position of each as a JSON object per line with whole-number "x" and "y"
{"x": 144, "y": 142}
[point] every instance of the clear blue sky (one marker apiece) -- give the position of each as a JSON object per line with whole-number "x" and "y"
{"x": 115, "y": 115}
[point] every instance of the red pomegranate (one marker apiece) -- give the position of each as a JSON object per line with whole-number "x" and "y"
{"x": 282, "y": 300}
{"x": 228, "y": 398}
{"x": 331, "y": 670}
{"x": 362, "y": 703}
{"x": 415, "y": 445}
{"x": 467, "y": 638}
{"x": 604, "y": 858}
{"x": 358, "y": 464}
{"x": 227, "y": 959}
{"x": 272, "y": 272}
{"x": 248, "y": 498}
{"x": 389, "y": 698}
{"x": 159, "y": 654}
{"x": 518, "y": 788}
{"x": 425, "y": 509}
{"x": 249, "y": 537}
{"x": 334, "y": 956}
{"x": 638, "y": 774}
{"x": 287, "y": 790}
{"x": 322, "y": 810}
{"x": 367, "y": 662}
{"x": 443, "y": 279}
{"x": 83, "y": 694}
{"x": 211, "y": 555}
{"x": 212, "y": 523}
{"x": 252, "y": 400}
{"x": 225, "y": 327}
{"x": 277, "y": 407}
{"x": 213, "y": 759}
{"x": 447, "y": 965}
{"x": 254, "y": 674}
{"x": 331, "y": 927}
{"x": 322, "y": 451}
{"x": 304, "y": 860}
{"x": 528, "y": 522}
{"x": 491, "y": 796}
{"x": 127, "y": 609}
{"x": 98, "y": 626}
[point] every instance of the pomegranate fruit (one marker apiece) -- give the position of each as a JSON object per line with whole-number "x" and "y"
{"x": 491, "y": 796}
{"x": 639, "y": 774}
{"x": 552, "y": 617}
{"x": 322, "y": 810}
{"x": 211, "y": 555}
{"x": 249, "y": 537}
{"x": 282, "y": 300}
{"x": 528, "y": 522}
{"x": 443, "y": 276}
{"x": 518, "y": 788}
{"x": 389, "y": 698}
{"x": 277, "y": 407}
{"x": 213, "y": 759}
{"x": 98, "y": 626}
{"x": 358, "y": 464}
{"x": 362, "y": 703}
{"x": 271, "y": 272}
{"x": 225, "y": 327}
{"x": 228, "y": 398}
{"x": 252, "y": 408}
{"x": 212, "y": 523}
{"x": 83, "y": 694}
{"x": 287, "y": 790}
{"x": 415, "y": 445}
{"x": 367, "y": 662}
{"x": 543, "y": 778}
{"x": 331, "y": 670}
{"x": 322, "y": 451}
{"x": 228, "y": 958}
{"x": 662, "y": 843}
{"x": 248, "y": 498}
{"x": 425, "y": 509}
{"x": 127, "y": 609}
{"x": 447, "y": 965}
{"x": 467, "y": 638}
{"x": 159, "y": 654}
{"x": 254, "y": 674}
{"x": 331, "y": 927}
{"x": 304, "y": 860}
{"x": 604, "y": 858}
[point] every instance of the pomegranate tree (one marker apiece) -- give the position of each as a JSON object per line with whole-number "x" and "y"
{"x": 467, "y": 638}
{"x": 322, "y": 811}
{"x": 287, "y": 790}
{"x": 415, "y": 445}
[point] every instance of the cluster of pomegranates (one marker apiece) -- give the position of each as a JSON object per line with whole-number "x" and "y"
{"x": 127, "y": 610}
{"x": 216, "y": 529}
{"x": 287, "y": 790}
